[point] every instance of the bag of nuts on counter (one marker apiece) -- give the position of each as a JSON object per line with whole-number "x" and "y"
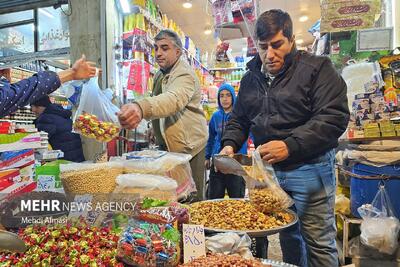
{"x": 90, "y": 178}
{"x": 96, "y": 115}
{"x": 264, "y": 190}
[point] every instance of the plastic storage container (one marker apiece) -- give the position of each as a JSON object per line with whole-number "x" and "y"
{"x": 363, "y": 191}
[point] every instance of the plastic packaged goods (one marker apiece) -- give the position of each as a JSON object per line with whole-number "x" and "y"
{"x": 264, "y": 189}
{"x": 90, "y": 178}
{"x": 147, "y": 185}
{"x": 380, "y": 227}
{"x": 173, "y": 165}
{"x": 96, "y": 116}
{"x": 151, "y": 239}
{"x": 229, "y": 244}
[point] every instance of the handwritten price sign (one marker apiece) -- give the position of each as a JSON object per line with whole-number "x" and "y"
{"x": 194, "y": 243}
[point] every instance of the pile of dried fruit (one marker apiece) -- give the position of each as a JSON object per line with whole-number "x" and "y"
{"x": 235, "y": 215}
{"x": 60, "y": 245}
{"x": 221, "y": 260}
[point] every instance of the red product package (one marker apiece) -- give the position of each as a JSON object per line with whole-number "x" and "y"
{"x": 139, "y": 73}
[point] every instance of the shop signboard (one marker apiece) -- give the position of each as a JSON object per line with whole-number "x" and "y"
{"x": 374, "y": 39}
{"x": 348, "y": 15}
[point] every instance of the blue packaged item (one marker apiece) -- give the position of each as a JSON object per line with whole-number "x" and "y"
{"x": 363, "y": 191}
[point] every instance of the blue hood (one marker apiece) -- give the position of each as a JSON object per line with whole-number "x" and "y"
{"x": 217, "y": 124}
{"x": 229, "y": 88}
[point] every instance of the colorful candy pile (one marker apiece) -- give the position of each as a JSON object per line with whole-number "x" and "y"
{"x": 60, "y": 245}
{"x": 149, "y": 244}
{"x": 90, "y": 126}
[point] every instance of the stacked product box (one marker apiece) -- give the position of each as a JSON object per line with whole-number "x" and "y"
{"x": 17, "y": 172}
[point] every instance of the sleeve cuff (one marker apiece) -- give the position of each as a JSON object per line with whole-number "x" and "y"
{"x": 145, "y": 106}
{"x": 293, "y": 146}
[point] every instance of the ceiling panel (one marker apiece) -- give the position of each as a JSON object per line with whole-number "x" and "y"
{"x": 193, "y": 21}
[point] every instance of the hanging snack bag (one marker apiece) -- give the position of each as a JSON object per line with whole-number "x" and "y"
{"x": 96, "y": 116}
{"x": 264, "y": 189}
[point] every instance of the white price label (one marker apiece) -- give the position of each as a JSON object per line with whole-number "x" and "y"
{"x": 194, "y": 243}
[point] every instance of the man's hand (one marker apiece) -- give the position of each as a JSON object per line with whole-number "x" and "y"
{"x": 130, "y": 116}
{"x": 207, "y": 164}
{"x": 274, "y": 151}
{"x": 227, "y": 150}
{"x": 83, "y": 69}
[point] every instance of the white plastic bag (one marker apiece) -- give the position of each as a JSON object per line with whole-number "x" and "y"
{"x": 230, "y": 243}
{"x": 380, "y": 227}
{"x": 173, "y": 165}
{"x": 96, "y": 115}
{"x": 147, "y": 185}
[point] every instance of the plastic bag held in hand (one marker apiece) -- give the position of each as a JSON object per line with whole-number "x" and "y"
{"x": 96, "y": 115}
{"x": 380, "y": 227}
{"x": 264, "y": 189}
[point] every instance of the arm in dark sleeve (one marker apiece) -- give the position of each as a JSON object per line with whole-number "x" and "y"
{"x": 212, "y": 132}
{"x": 26, "y": 91}
{"x": 237, "y": 129}
{"x": 50, "y": 129}
{"x": 330, "y": 115}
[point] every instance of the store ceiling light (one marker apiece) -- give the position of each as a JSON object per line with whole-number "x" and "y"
{"x": 299, "y": 41}
{"x": 126, "y": 9}
{"x": 303, "y": 18}
{"x": 187, "y": 4}
{"x": 47, "y": 13}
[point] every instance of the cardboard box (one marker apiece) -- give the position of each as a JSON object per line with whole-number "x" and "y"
{"x": 16, "y": 159}
{"x": 8, "y": 178}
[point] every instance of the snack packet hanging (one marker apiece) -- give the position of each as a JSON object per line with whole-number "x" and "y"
{"x": 264, "y": 190}
{"x": 96, "y": 116}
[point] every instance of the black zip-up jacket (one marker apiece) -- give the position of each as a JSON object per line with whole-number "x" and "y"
{"x": 305, "y": 106}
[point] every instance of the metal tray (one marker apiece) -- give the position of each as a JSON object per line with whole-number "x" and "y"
{"x": 252, "y": 233}
{"x": 277, "y": 263}
{"x": 234, "y": 164}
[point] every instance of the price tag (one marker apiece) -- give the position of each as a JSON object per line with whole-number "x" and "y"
{"x": 194, "y": 243}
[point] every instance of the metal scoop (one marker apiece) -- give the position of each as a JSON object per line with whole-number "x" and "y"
{"x": 11, "y": 242}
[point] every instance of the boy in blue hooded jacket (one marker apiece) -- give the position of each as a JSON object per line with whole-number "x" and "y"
{"x": 220, "y": 182}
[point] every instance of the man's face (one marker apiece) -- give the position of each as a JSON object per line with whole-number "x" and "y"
{"x": 225, "y": 98}
{"x": 166, "y": 53}
{"x": 37, "y": 110}
{"x": 273, "y": 52}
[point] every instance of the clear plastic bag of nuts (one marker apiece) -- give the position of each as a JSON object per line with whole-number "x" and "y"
{"x": 264, "y": 190}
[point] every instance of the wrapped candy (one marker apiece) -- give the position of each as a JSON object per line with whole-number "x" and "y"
{"x": 151, "y": 239}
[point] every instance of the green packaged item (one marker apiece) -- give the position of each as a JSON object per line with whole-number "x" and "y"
{"x": 48, "y": 176}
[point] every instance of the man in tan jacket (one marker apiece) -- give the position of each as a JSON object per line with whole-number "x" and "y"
{"x": 177, "y": 116}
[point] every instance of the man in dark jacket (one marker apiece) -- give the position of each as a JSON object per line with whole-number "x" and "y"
{"x": 56, "y": 121}
{"x": 295, "y": 106}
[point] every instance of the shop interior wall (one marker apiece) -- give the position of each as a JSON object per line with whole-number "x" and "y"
{"x": 396, "y": 22}
{"x": 85, "y": 38}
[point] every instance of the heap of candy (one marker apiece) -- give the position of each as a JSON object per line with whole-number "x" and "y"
{"x": 90, "y": 126}
{"x": 147, "y": 242}
{"x": 60, "y": 245}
